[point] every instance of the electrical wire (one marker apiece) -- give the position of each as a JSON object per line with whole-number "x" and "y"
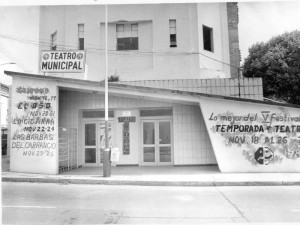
{"x": 13, "y": 58}
{"x": 96, "y": 49}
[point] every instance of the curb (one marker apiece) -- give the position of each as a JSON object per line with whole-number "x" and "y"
{"x": 149, "y": 183}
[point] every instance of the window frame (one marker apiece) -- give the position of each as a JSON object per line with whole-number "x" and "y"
{"x": 81, "y": 36}
{"x": 173, "y": 34}
{"x": 158, "y": 112}
{"x": 205, "y": 29}
{"x": 53, "y": 46}
{"x": 127, "y": 43}
{"x": 96, "y": 114}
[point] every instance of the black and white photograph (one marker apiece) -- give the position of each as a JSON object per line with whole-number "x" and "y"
{"x": 150, "y": 112}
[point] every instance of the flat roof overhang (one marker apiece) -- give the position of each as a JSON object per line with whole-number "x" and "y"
{"x": 124, "y": 90}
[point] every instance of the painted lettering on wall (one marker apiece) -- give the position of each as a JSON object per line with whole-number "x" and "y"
{"x": 265, "y": 137}
{"x": 126, "y": 132}
{"x": 34, "y": 122}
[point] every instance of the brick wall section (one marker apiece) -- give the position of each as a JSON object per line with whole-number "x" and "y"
{"x": 234, "y": 50}
{"x": 249, "y": 88}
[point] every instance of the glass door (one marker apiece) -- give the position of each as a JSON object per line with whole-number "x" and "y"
{"x": 90, "y": 145}
{"x": 164, "y": 142}
{"x": 149, "y": 135}
{"x": 94, "y": 142}
{"x": 156, "y": 143}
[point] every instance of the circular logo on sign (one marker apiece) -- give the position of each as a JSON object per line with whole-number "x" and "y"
{"x": 46, "y": 56}
{"x": 79, "y": 56}
{"x": 264, "y": 155}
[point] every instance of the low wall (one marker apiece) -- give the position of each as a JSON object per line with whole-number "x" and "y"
{"x": 249, "y": 88}
{"x": 253, "y": 137}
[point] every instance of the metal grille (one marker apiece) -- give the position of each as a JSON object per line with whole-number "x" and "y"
{"x": 67, "y": 149}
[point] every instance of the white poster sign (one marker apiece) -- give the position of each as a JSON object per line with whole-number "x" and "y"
{"x": 62, "y": 61}
{"x": 115, "y": 154}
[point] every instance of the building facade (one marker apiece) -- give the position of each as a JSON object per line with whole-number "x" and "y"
{"x": 147, "y": 41}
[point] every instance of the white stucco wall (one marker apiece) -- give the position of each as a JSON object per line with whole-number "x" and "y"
{"x": 155, "y": 59}
{"x": 253, "y": 137}
{"x": 34, "y": 120}
{"x": 214, "y": 16}
{"x": 128, "y": 64}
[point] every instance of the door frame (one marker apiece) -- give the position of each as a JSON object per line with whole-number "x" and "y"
{"x": 97, "y": 122}
{"x": 156, "y": 121}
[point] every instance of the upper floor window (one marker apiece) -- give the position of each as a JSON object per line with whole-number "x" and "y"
{"x": 208, "y": 42}
{"x": 127, "y": 36}
{"x": 53, "y": 41}
{"x": 172, "y": 28}
{"x": 81, "y": 36}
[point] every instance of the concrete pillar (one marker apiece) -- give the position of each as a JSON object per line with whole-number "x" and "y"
{"x": 233, "y": 33}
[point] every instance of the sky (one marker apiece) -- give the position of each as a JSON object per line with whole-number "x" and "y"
{"x": 258, "y": 22}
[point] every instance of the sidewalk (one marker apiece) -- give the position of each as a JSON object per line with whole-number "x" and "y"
{"x": 158, "y": 176}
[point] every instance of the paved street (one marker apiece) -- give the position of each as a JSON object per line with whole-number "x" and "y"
{"x": 36, "y": 203}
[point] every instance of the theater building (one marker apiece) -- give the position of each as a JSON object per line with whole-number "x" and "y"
{"x": 58, "y": 123}
{"x": 179, "y": 101}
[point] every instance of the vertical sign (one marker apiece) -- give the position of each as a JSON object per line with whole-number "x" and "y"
{"x": 126, "y": 143}
{"x": 126, "y": 132}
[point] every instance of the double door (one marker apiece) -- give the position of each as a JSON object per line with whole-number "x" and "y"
{"x": 157, "y": 142}
{"x": 94, "y": 142}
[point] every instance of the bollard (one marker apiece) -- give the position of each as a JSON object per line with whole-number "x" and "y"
{"x": 106, "y": 163}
